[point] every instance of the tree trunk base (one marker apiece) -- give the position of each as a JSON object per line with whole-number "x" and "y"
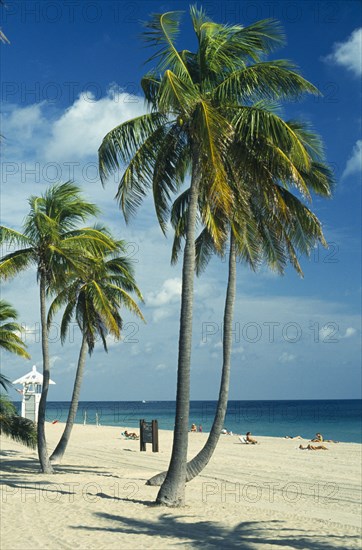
{"x": 48, "y": 469}
{"x": 174, "y": 503}
{"x": 171, "y": 494}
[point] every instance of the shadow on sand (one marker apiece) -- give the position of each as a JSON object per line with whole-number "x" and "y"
{"x": 209, "y": 535}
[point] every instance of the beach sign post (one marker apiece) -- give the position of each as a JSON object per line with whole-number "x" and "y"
{"x": 149, "y": 434}
{"x": 31, "y": 392}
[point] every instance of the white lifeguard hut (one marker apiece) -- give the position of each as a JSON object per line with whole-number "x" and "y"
{"x": 31, "y": 392}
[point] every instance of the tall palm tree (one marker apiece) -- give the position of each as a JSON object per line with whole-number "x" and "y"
{"x": 52, "y": 241}
{"x": 193, "y": 98}
{"x": 94, "y": 296}
{"x": 274, "y": 238}
{"x": 9, "y": 329}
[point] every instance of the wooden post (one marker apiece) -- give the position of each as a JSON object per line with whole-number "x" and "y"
{"x": 142, "y": 441}
{"x": 154, "y": 436}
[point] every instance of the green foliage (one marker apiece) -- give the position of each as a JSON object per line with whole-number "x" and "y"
{"x": 51, "y": 239}
{"x": 9, "y": 333}
{"x": 95, "y": 294}
{"x": 14, "y": 426}
{"x": 206, "y": 105}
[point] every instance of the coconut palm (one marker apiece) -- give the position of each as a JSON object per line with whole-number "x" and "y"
{"x": 95, "y": 297}
{"x": 193, "y": 98}
{"x": 52, "y": 242}
{"x": 275, "y": 237}
{"x": 9, "y": 329}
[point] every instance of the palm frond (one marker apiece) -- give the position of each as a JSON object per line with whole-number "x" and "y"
{"x": 138, "y": 175}
{"x": 161, "y": 32}
{"x": 14, "y": 426}
{"x": 169, "y": 172}
{"x": 121, "y": 144}
{"x": 204, "y": 249}
{"x": 271, "y": 80}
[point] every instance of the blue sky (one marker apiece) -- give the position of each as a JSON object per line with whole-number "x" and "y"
{"x": 70, "y": 74}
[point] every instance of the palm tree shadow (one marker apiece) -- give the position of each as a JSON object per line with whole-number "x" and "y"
{"x": 21, "y": 466}
{"x": 210, "y": 535}
{"x": 32, "y": 466}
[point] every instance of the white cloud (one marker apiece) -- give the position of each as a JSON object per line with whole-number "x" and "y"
{"x": 238, "y": 350}
{"x": 286, "y": 357}
{"x": 350, "y": 331}
{"x": 24, "y": 121}
{"x": 169, "y": 293}
{"x": 354, "y": 163}
{"x": 348, "y": 54}
{"x": 78, "y": 133}
{"x": 72, "y": 135}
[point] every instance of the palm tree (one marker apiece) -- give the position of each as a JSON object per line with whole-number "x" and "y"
{"x": 52, "y": 242}
{"x": 189, "y": 130}
{"x": 9, "y": 337}
{"x": 95, "y": 296}
{"x": 274, "y": 239}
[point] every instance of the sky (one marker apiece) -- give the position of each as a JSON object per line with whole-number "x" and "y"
{"x": 70, "y": 74}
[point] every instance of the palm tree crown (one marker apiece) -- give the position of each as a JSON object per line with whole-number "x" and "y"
{"x": 95, "y": 294}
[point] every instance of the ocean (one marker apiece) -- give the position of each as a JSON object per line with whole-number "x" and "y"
{"x": 335, "y": 419}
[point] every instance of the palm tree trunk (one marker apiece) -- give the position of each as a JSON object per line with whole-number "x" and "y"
{"x": 59, "y": 450}
{"x": 198, "y": 463}
{"x": 172, "y": 491}
{"x": 45, "y": 464}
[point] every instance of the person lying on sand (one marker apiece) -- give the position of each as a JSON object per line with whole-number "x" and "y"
{"x": 293, "y": 437}
{"x": 250, "y": 439}
{"x": 310, "y": 447}
{"x": 130, "y": 435}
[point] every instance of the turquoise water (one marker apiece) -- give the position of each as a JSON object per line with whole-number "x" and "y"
{"x": 335, "y": 419}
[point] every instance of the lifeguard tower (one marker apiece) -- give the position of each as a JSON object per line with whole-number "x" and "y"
{"x": 31, "y": 392}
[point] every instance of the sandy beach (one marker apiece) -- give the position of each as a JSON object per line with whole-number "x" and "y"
{"x": 270, "y": 495}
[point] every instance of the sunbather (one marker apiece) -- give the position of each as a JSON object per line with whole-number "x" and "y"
{"x": 310, "y": 447}
{"x": 130, "y": 435}
{"x": 250, "y": 439}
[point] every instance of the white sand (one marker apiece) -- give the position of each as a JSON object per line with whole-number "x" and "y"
{"x": 265, "y": 496}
